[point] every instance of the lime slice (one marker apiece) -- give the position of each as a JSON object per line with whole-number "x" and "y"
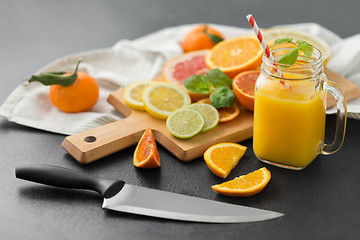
{"x": 209, "y": 113}
{"x": 162, "y": 99}
{"x": 133, "y": 94}
{"x": 185, "y": 123}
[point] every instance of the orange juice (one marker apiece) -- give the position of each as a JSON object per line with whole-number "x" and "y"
{"x": 289, "y": 123}
{"x": 289, "y": 110}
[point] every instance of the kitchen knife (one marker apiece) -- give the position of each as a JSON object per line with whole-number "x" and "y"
{"x": 124, "y": 197}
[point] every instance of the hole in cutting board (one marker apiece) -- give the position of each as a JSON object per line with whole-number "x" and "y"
{"x": 90, "y": 139}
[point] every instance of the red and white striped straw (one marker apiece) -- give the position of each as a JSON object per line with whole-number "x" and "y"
{"x": 259, "y": 35}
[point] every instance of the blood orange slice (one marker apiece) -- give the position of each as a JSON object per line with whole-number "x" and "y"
{"x": 244, "y": 86}
{"x": 177, "y": 69}
{"x": 146, "y": 154}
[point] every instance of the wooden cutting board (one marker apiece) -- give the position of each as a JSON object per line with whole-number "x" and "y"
{"x": 102, "y": 141}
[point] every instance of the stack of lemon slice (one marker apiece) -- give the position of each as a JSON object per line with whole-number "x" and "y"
{"x": 172, "y": 103}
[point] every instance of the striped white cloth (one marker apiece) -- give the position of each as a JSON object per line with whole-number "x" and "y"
{"x": 141, "y": 59}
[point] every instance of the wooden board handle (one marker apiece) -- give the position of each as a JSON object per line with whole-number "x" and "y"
{"x": 102, "y": 141}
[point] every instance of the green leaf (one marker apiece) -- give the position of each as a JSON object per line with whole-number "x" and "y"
{"x": 214, "y": 38}
{"x": 305, "y": 47}
{"x": 218, "y": 78}
{"x": 289, "y": 58}
{"x": 283, "y": 40}
{"x": 56, "y": 78}
{"x": 198, "y": 84}
{"x": 222, "y": 97}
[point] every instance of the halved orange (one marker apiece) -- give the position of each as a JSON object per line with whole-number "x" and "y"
{"x": 146, "y": 154}
{"x": 235, "y": 55}
{"x": 226, "y": 113}
{"x": 244, "y": 86}
{"x": 246, "y": 185}
{"x": 221, "y": 158}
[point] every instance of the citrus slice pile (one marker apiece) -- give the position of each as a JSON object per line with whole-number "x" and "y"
{"x": 133, "y": 94}
{"x": 209, "y": 113}
{"x": 177, "y": 69}
{"x": 185, "y": 123}
{"x": 246, "y": 185}
{"x": 244, "y": 86}
{"x": 226, "y": 113}
{"x": 162, "y": 99}
{"x": 271, "y": 34}
{"x": 235, "y": 55}
{"x": 146, "y": 154}
{"x": 221, "y": 158}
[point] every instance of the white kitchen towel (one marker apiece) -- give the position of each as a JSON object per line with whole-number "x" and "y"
{"x": 142, "y": 59}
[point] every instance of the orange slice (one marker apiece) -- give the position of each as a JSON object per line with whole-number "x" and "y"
{"x": 235, "y": 55}
{"x": 221, "y": 158}
{"x": 146, "y": 154}
{"x": 246, "y": 185}
{"x": 244, "y": 86}
{"x": 227, "y": 113}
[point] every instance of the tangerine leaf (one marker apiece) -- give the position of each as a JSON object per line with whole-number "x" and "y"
{"x": 55, "y": 78}
{"x": 214, "y": 38}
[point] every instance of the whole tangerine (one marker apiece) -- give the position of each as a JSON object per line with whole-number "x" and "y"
{"x": 201, "y": 37}
{"x": 81, "y": 96}
{"x": 70, "y": 92}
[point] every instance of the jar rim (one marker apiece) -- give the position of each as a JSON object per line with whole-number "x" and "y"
{"x": 278, "y": 47}
{"x": 314, "y": 62}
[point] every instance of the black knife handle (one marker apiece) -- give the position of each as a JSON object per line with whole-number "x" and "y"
{"x": 66, "y": 178}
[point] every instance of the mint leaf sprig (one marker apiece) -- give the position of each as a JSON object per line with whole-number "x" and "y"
{"x": 291, "y": 57}
{"x": 217, "y": 83}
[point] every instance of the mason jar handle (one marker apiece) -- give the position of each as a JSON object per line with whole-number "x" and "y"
{"x": 340, "y": 99}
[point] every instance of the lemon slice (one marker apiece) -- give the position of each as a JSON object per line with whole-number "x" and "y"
{"x": 210, "y": 114}
{"x": 133, "y": 94}
{"x": 185, "y": 123}
{"x": 271, "y": 34}
{"x": 162, "y": 99}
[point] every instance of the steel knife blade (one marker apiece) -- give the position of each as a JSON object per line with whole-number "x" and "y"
{"x": 123, "y": 197}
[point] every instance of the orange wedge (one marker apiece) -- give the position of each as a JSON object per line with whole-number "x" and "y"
{"x": 246, "y": 185}
{"x": 244, "y": 86}
{"x": 226, "y": 113}
{"x": 235, "y": 55}
{"x": 221, "y": 158}
{"x": 146, "y": 154}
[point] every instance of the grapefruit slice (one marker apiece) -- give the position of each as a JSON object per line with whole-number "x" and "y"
{"x": 177, "y": 69}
